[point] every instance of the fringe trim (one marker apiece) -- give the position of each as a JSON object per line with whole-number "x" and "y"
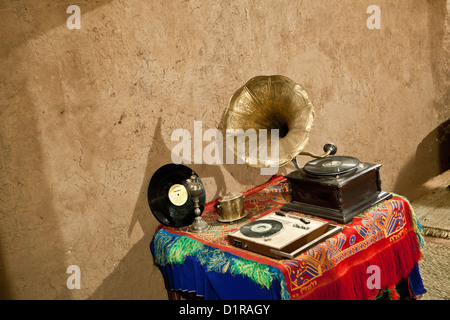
{"x": 170, "y": 249}
{"x": 173, "y": 249}
{"x": 349, "y": 285}
{"x": 418, "y": 229}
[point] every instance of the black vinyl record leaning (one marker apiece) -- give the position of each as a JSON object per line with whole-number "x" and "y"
{"x": 168, "y": 196}
{"x": 261, "y": 228}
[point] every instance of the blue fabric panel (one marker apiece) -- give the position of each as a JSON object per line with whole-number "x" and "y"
{"x": 415, "y": 281}
{"x": 228, "y": 287}
{"x": 192, "y": 276}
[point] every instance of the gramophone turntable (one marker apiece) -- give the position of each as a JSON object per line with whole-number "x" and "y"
{"x": 331, "y": 186}
{"x": 335, "y": 187}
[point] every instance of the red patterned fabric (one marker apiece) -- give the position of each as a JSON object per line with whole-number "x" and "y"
{"x": 338, "y": 268}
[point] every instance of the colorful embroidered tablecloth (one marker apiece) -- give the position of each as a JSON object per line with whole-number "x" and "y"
{"x": 386, "y": 239}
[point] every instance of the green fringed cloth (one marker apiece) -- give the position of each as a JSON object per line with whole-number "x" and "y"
{"x": 173, "y": 249}
{"x": 387, "y": 235}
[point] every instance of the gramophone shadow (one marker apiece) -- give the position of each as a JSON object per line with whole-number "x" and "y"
{"x": 431, "y": 159}
{"x": 158, "y": 156}
{"x": 132, "y": 278}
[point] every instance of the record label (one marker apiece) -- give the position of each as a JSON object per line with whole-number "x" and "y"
{"x": 262, "y": 228}
{"x": 178, "y": 194}
{"x": 332, "y": 163}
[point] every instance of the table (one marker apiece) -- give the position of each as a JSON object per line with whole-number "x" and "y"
{"x": 375, "y": 256}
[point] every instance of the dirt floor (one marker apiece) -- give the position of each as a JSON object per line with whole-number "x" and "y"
{"x": 435, "y": 267}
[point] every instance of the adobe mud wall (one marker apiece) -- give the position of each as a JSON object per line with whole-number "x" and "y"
{"x": 86, "y": 116}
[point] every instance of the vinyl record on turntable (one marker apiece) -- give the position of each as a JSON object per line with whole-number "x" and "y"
{"x": 168, "y": 196}
{"x": 261, "y": 228}
{"x": 331, "y": 166}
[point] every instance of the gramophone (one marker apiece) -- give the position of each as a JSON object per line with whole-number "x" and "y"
{"x": 330, "y": 186}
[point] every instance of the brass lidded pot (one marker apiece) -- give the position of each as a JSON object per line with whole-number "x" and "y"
{"x": 231, "y": 207}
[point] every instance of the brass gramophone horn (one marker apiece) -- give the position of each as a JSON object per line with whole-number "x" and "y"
{"x": 273, "y": 102}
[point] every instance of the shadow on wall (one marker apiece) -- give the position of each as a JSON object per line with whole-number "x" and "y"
{"x": 432, "y": 154}
{"x": 29, "y": 266}
{"x": 28, "y": 14}
{"x": 158, "y": 156}
{"x": 439, "y": 29}
{"x": 432, "y": 158}
{"x": 133, "y": 277}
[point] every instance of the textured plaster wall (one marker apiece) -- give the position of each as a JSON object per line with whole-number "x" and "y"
{"x": 86, "y": 115}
